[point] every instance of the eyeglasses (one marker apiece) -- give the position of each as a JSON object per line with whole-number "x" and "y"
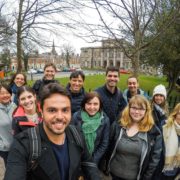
{"x": 138, "y": 109}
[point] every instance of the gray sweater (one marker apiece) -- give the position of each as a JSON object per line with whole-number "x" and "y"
{"x": 6, "y": 136}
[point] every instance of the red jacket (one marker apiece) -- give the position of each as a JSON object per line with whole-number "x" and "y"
{"x": 20, "y": 121}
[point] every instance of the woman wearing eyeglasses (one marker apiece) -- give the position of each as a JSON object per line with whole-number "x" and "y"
{"x": 136, "y": 143}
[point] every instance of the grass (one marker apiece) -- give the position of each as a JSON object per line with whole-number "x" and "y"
{"x": 147, "y": 83}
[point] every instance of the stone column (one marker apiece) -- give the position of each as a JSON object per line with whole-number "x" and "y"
{"x": 114, "y": 57}
{"x": 121, "y": 59}
{"x": 107, "y": 57}
{"x": 102, "y": 57}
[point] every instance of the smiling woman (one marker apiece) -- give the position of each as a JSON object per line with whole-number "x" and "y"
{"x": 6, "y": 109}
{"x": 28, "y": 113}
{"x": 94, "y": 124}
{"x": 17, "y": 80}
{"x": 135, "y": 143}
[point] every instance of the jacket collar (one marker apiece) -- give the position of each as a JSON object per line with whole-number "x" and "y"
{"x": 8, "y": 108}
{"x": 20, "y": 111}
{"x": 107, "y": 90}
{"x": 53, "y": 171}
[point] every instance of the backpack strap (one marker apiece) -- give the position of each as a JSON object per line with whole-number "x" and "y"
{"x": 76, "y": 135}
{"x": 35, "y": 147}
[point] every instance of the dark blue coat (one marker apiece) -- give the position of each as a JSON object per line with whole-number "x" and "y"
{"x": 39, "y": 84}
{"x": 76, "y": 99}
{"x": 102, "y": 138}
{"x": 113, "y": 104}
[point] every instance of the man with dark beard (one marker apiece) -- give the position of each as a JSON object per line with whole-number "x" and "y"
{"x": 111, "y": 96}
{"x": 61, "y": 155}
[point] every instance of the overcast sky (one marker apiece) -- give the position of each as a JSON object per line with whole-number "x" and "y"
{"x": 68, "y": 37}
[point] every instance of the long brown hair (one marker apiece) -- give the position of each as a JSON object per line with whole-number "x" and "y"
{"x": 14, "y": 76}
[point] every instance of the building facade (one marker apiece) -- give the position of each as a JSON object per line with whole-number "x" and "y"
{"x": 38, "y": 61}
{"x": 109, "y": 53}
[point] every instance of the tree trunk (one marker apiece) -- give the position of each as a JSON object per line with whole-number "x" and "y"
{"x": 19, "y": 38}
{"x": 171, "y": 85}
{"x": 135, "y": 63}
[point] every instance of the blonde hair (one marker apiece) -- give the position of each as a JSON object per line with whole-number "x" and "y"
{"x": 146, "y": 123}
{"x": 172, "y": 116}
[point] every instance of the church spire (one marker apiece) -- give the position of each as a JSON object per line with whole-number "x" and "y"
{"x": 53, "y": 51}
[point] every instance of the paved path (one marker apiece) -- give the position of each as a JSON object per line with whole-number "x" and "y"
{"x": 1, "y": 169}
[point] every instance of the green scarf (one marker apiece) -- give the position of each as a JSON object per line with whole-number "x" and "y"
{"x": 89, "y": 127}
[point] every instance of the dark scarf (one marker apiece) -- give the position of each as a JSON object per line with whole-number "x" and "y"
{"x": 14, "y": 89}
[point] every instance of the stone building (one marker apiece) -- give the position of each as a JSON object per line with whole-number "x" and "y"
{"x": 109, "y": 53}
{"x": 37, "y": 60}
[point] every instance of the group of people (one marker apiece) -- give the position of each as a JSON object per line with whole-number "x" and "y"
{"x": 101, "y": 134}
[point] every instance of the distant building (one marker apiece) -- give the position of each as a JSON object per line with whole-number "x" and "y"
{"x": 37, "y": 60}
{"x": 109, "y": 53}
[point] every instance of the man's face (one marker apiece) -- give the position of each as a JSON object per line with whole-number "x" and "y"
{"x": 49, "y": 73}
{"x": 112, "y": 78}
{"x": 76, "y": 84}
{"x": 133, "y": 85}
{"x": 56, "y": 114}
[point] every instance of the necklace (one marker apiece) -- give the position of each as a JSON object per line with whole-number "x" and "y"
{"x": 33, "y": 117}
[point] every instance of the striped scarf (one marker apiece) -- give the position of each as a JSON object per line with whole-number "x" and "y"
{"x": 172, "y": 146}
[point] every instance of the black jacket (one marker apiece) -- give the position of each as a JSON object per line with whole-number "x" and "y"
{"x": 39, "y": 84}
{"x": 153, "y": 143}
{"x": 47, "y": 168}
{"x": 113, "y": 104}
{"x": 102, "y": 135}
{"x": 76, "y": 99}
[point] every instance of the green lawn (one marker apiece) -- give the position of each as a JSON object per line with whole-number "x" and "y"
{"x": 147, "y": 83}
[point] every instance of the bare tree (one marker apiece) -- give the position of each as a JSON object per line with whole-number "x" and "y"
{"x": 67, "y": 52}
{"x": 5, "y": 27}
{"x": 38, "y": 18}
{"x": 129, "y": 21}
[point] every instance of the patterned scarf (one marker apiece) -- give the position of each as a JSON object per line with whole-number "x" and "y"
{"x": 172, "y": 146}
{"x": 89, "y": 127}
